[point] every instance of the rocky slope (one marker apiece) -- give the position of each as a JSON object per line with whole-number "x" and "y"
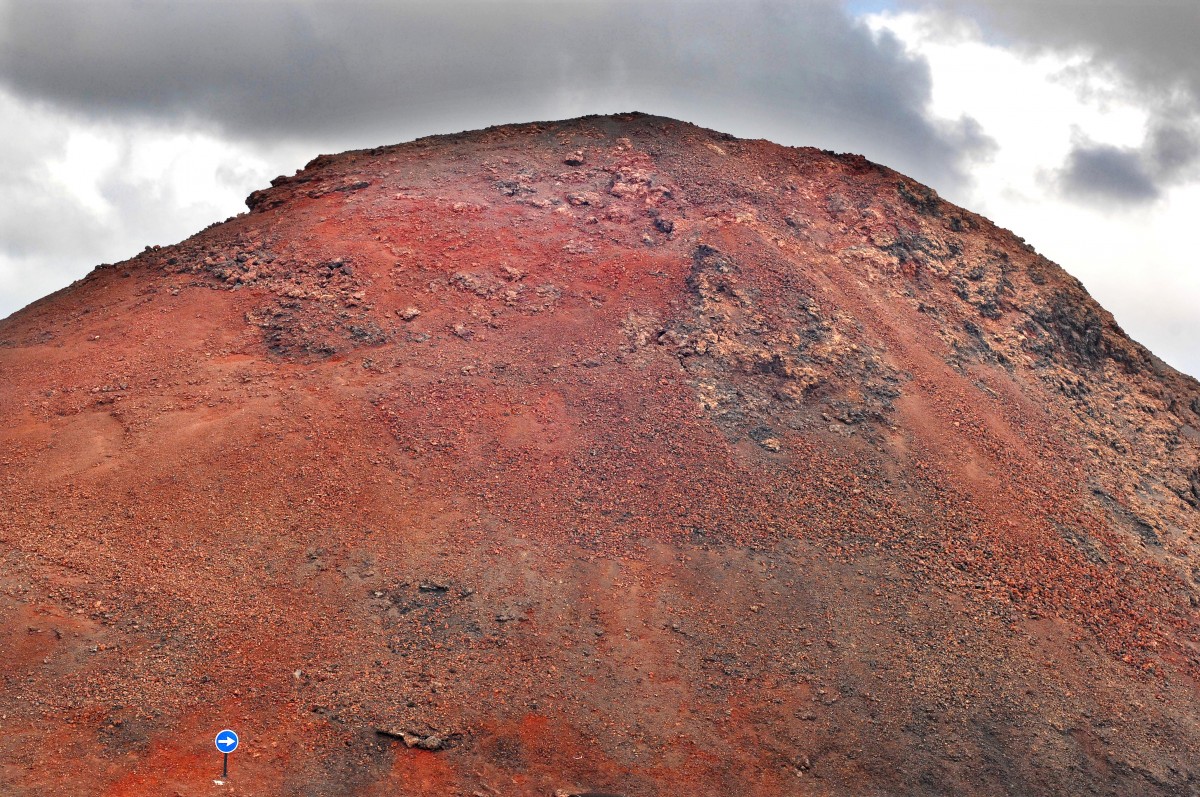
{"x": 609, "y": 454}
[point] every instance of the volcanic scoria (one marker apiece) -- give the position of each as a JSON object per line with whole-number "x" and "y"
{"x": 610, "y": 455}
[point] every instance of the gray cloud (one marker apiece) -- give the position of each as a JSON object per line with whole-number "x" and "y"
{"x": 1173, "y": 148}
{"x": 1151, "y": 44}
{"x": 361, "y": 74}
{"x": 1106, "y": 174}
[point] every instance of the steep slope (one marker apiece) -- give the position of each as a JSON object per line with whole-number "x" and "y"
{"x": 607, "y": 454}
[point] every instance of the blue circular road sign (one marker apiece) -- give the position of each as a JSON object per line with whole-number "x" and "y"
{"x": 227, "y": 741}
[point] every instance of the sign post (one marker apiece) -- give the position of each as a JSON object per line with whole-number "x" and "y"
{"x": 227, "y": 742}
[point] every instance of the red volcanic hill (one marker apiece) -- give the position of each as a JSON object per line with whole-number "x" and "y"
{"x": 612, "y": 454}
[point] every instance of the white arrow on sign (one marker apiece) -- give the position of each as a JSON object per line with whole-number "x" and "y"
{"x": 226, "y": 741}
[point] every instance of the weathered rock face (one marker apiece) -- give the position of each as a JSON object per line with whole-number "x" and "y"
{"x": 614, "y": 455}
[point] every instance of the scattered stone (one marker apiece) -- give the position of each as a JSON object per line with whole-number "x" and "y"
{"x": 411, "y": 739}
{"x": 409, "y": 313}
{"x": 513, "y": 188}
{"x": 346, "y": 186}
{"x": 512, "y": 615}
{"x": 589, "y": 198}
{"x": 429, "y": 743}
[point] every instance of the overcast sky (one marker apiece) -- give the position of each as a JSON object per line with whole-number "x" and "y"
{"x": 1074, "y": 123}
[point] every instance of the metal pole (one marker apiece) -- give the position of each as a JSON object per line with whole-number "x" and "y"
{"x": 225, "y": 767}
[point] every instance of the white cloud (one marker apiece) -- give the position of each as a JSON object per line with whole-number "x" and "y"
{"x": 85, "y": 159}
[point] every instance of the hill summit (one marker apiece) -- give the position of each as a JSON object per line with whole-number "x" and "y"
{"x": 609, "y": 455}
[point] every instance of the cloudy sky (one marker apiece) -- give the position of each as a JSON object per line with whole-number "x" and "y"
{"x": 1075, "y": 123}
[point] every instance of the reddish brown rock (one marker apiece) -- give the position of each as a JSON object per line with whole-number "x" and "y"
{"x": 709, "y": 466}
